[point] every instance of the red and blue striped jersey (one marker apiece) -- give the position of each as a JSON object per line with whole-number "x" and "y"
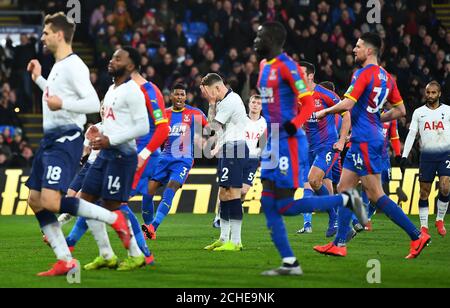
{"x": 371, "y": 87}
{"x": 154, "y": 101}
{"x": 281, "y": 83}
{"x": 322, "y": 133}
{"x": 183, "y": 126}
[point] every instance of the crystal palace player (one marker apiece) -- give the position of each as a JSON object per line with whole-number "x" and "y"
{"x": 285, "y": 161}
{"x": 177, "y": 158}
{"x": 68, "y": 96}
{"x": 432, "y": 121}
{"x": 325, "y": 145}
{"x": 371, "y": 87}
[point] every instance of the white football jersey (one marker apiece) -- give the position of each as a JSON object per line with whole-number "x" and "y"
{"x": 434, "y": 129}
{"x": 69, "y": 80}
{"x": 125, "y": 116}
{"x": 232, "y": 114}
{"x": 253, "y": 132}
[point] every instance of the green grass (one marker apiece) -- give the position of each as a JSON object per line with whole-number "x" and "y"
{"x": 181, "y": 262}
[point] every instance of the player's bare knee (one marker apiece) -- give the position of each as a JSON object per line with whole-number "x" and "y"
{"x": 444, "y": 189}
{"x": 173, "y": 185}
{"x": 34, "y": 203}
{"x": 112, "y": 205}
{"x": 315, "y": 183}
{"x": 424, "y": 192}
{"x": 50, "y": 200}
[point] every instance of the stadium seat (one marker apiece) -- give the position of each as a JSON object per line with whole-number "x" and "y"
{"x": 198, "y": 28}
{"x": 151, "y": 52}
{"x": 191, "y": 39}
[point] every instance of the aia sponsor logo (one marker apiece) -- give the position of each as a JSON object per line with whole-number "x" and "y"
{"x": 435, "y": 125}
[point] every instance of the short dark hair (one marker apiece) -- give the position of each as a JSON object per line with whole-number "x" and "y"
{"x": 179, "y": 86}
{"x": 211, "y": 79}
{"x": 60, "y": 22}
{"x": 372, "y": 39}
{"x": 328, "y": 85}
{"x": 310, "y": 68}
{"x": 253, "y": 97}
{"x": 435, "y": 83}
{"x": 276, "y": 31}
{"x": 134, "y": 56}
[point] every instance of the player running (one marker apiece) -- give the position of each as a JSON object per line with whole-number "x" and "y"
{"x": 256, "y": 137}
{"x": 432, "y": 121}
{"x": 325, "y": 145}
{"x": 285, "y": 161}
{"x": 371, "y": 87}
{"x": 67, "y": 96}
{"x": 177, "y": 158}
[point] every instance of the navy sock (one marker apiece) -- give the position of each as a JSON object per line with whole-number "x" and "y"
{"x": 69, "y": 205}
{"x": 443, "y": 198}
{"x": 164, "y": 207}
{"x": 147, "y": 208}
{"x": 136, "y": 226}
{"x": 275, "y": 224}
{"x": 396, "y": 214}
{"x": 323, "y": 191}
{"x": 46, "y": 218}
{"x": 423, "y": 203}
{"x": 344, "y": 217}
{"x": 224, "y": 210}
{"x": 235, "y": 208}
{"x": 77, "y": 232}
{"x": 291, "y": 207}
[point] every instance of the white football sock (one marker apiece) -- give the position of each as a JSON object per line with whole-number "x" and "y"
{"x": 134, "y": 250}
{"x": 289, "y": 260}
{"x": 345, "y": 199}
{"x": 64, "y": 218}
{"x": 236, "y": 226}
{"x": 98, "y": 230}
{"x": 442, "y": 210}
{"x": 93, "y": 211}
{"x": 224, "y": 230}
{"x": 57, "y": 241}
{"x": 423, "y": 215}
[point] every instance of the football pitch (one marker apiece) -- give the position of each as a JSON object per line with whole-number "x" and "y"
{"x": 181, "y": 261}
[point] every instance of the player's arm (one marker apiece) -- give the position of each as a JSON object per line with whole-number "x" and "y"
{"x": 345, "y": 129}
{"x": 139, "y": 125}
{"x": 296, "y": 81}
{"x": 395, "y": 139}
{"x": 413, "y": 128}
{"x": 162, "y": 127}
{"x": 398, "y": 109}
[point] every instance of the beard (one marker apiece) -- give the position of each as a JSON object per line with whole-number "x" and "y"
{"x": 117, "y": 73}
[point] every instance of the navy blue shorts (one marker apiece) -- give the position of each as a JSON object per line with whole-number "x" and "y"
{"x": 249, "y": 171}
{"x": 232, "y": 163}
{"x": 429, "y": 169}
{"x": 77, "y": 182}
{"x": 172, "y": 169}
{"x": 111, "y": 175}
{"x": 57, "y": 161}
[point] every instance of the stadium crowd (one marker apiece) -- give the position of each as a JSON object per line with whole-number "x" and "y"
{"x": 181, "y": 41}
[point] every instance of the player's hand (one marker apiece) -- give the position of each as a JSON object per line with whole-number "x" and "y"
{"x": 290, "y": 128}
{"x": 214, "y": 151}
{"x": 34, "y": 67}
{"x": 321, "y": 114}
{"x": 339, "y": 145}
{"x": 92, "y": 133}
{"x": 54, "y": 103}
{"x": 207, "y": 95}
{"x": 100, "y": 142}
{"x": 140, "y": 163}
{"x": 403, "y": 164}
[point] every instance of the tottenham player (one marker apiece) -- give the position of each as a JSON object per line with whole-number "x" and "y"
{"x": 432, "y": 121}
{"x": 228, "y": 118}
{"x": 68, "y": 96}
{"x": 371, "y": 87}
{"x": 255, "y": 136}
{"x": 325, "y": 145}
{"x": 177, "y": 158}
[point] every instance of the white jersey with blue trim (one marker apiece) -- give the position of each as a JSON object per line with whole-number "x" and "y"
{"x": 253, "y": 132}
{"x": 69, "y": 80}
{"x": 125, "y": 116}
{"x": 434, "y": 129}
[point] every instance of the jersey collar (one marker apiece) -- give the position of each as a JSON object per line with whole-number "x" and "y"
{"x": 173, "y": 110}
